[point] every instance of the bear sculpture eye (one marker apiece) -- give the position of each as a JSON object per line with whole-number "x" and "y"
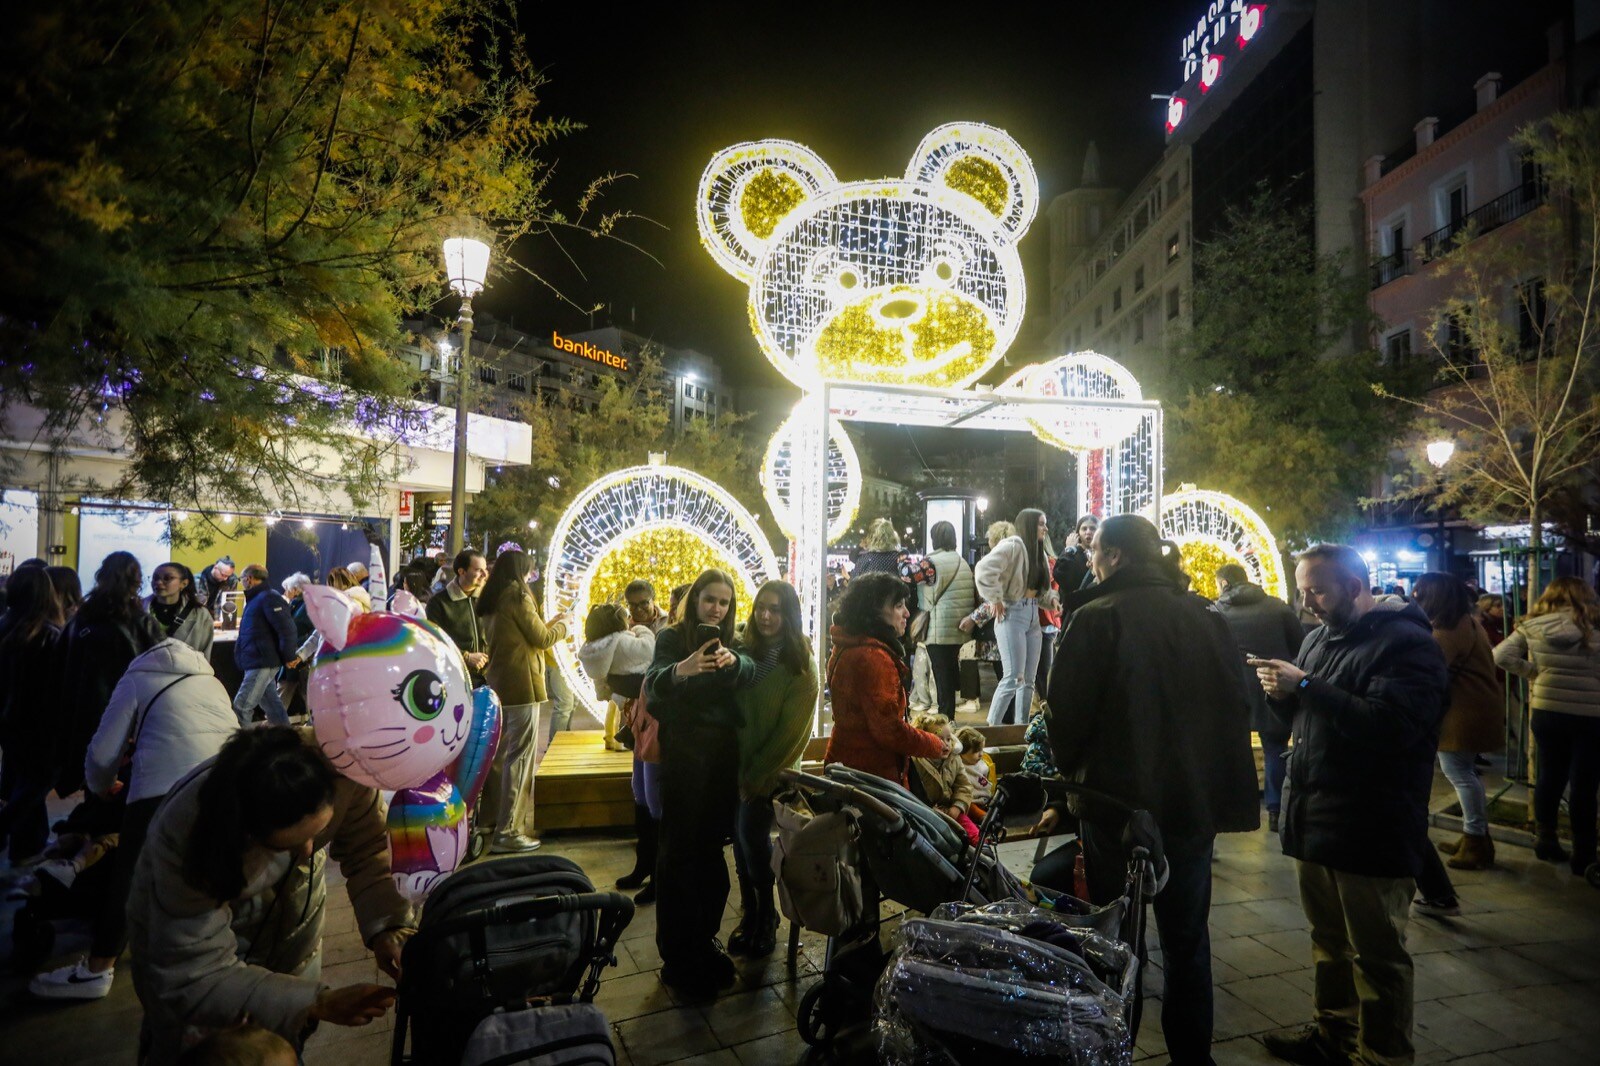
{"x": 421, "y": 694}
{"x": 848, "y": 279}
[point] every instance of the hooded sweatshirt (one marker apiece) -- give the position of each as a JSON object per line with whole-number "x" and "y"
{"x": 182, "y": 715}
{"x": 1550, "y": 649}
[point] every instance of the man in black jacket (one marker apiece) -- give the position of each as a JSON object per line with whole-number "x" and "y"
{"x": 1366, "y": 694}
{"x": 1148, "y": 704}
{"x": 454, "y": 609}
{"x": 1267, "y": 628}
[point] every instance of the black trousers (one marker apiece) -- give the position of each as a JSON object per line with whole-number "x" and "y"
{"x": 945, "y": 659}
{"x": 110, "y": 927}
{"x": 1434, "y": 881}
{"x": 1569, "y": 758}
{"x": 25, "y": 780}
{"x": 1182, "y": 912}
{"x": 699, "y": 796}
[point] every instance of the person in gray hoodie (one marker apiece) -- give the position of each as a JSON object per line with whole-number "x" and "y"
{"x": 1558, "y": 646}
{"x": 226, "y": 913}
{"x": 173, "y": 713}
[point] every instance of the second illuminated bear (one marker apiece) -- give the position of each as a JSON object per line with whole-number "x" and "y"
{"x": 909, "y": 281}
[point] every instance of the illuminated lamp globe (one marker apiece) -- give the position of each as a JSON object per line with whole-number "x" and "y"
{"x": 466, "y": 264}
{"x": 1439, "y": 452}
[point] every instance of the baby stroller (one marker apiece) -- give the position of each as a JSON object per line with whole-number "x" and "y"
{"x": 505, "y": 964}
{"x": 916, "y": 856}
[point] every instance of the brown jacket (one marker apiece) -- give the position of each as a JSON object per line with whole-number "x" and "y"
{"x": 1476, "y": 720}
{"x": 944, "y": 781}
{"x": 519, "y": 649}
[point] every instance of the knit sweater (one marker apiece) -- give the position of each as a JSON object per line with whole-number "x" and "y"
{"x": 778, "y": 712}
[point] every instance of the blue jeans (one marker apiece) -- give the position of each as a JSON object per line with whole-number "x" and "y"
{"x": 561, "y": 702}
{"x": 1273, "y": 768}
{"x": 260, "y": 688}
{"x": 1019, "y": 638}
{"x": 647, "y": 786}
{"x": 1457, "y": 767}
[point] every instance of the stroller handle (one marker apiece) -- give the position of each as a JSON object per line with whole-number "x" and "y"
{"x": 617, "y": 907}
{"x": 871, "y": 804}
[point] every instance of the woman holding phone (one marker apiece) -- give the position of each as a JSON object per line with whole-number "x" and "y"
{"x": 691, "y": 688}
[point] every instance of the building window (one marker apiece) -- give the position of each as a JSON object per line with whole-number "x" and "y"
{"x": 1099, "y": 315}
{"x": 1458, "y": 343}
{"x": 1174, "y": 246}
{"x": 1397, "y": 348}
{"x": 1138, "y": 279}
{"x": 1138, "y": 327}
{"x": 1116, "y": 299}
{"x": 1172, "y": 187}
{"x": 488, "y": 375}
{"x": 1173, "y": 303}
{"x": 1532, "y": 311}
{"x": 517, "y": 382}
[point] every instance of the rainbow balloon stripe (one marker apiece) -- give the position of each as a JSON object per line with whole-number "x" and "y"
{"x": 379, "y": 633}
{"x": 411, "y": 814}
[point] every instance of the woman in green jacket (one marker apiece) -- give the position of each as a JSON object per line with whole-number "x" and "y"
{"x": 690, "y": 687}
{"x": 778, "y": 710}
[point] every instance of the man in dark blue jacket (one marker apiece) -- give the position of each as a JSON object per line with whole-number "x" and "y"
{"x": 266, "y": 644}
{"x": 1366, "y": 695}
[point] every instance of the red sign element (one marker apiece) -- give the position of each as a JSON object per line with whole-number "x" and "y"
{"x": 1210, "y": 67}
{"x": 1174, "y": 112}
{"x": 1249, "y": 23}
{"x": 406, "y": 505}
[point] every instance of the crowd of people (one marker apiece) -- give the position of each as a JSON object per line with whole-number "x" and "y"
{"x": 218, "y": 829}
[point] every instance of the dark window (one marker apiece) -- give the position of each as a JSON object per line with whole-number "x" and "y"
{"x": 488, "y": 375}
{"x": 1532, "y": 314}
{"x": 1458, "y": 343}
{"x": 1172, "y": 187}
{"x": 1173, "y": 303}
{"x": 1099, "y": 316}
{"x": 1397, "y": 348}
{"x": 1138, "y": 327}
{"x": 1457, "y": 205}
{"x": 517, "y": 382}
{"x": 1116, "y": 299}
{"x": 1174, "y": 246}
{"x": 1138, "y": 279}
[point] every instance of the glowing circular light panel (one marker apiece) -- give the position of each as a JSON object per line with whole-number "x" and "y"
{"x": 1080, "y": 376}
{"x": 1212, "y": 528}
{"x": 910, "y": 281}
{"x": 844, "y": 473}
{"x": 662, "y": 523}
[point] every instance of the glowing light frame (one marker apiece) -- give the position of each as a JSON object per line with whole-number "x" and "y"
{"x": 844, "y": 473}
{"x": 1080, "y": 376}
{"x": 1191, "y": 515}
{"x": 624, "y": 504}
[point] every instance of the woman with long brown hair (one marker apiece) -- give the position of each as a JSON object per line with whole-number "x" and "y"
{"x": 1011, "y": 579}
{"x": 1557, "y": 646}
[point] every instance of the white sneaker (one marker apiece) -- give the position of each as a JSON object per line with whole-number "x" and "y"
{"x": 72, "y": 982}
{"x": 967, "y": 707}
{"x": 516, "y": 842}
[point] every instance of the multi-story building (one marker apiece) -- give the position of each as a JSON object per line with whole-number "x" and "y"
{"x": 512, "y": 368}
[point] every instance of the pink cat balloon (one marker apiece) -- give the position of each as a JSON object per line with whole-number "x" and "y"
{"x": 390, "y": 706}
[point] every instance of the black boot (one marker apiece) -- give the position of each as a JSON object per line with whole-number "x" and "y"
{"x": 1547, "y": 847}
{"x": 644, "y": 862}
{"x": 764, "y": 940}
{"x": 749, "y": 920}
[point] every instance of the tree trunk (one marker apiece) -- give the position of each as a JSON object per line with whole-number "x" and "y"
{"x": 1535, "y": 551}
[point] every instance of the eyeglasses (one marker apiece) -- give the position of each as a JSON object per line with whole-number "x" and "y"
{"x": 162, "y": 579}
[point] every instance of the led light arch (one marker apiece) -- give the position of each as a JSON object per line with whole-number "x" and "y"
{"x": 1213, "y": 528}
{"x": 909, "y": 281}
{"x": 1080, "y": 376}
{"x": 663, "y": 523}
{"x": 844, "y": 472}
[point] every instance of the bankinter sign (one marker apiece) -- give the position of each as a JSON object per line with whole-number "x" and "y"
{"x": 588, "y": 351}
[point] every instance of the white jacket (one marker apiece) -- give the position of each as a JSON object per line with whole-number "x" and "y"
{"x": 181, "y": 730}
{"x": 1002, "y": 575}
{"x": 627, "y": 652}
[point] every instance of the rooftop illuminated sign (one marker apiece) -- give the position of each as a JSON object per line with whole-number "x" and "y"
{"x": 588, "y": 351}
{"x": 1225, "y": 29}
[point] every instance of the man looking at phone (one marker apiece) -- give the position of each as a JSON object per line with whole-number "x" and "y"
{"x": 1366, "y": 695}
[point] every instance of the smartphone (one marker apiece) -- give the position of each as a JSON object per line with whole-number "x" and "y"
{"x": 705, "y": 631}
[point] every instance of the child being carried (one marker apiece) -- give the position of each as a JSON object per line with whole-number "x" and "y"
{"x": 616, "y": 657}
{"x": 944, "y": 781}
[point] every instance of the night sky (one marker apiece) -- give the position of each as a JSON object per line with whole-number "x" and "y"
{"x": 661, "y": 92}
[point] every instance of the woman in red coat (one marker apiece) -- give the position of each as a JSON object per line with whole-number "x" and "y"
{"x": 867, "y": 681}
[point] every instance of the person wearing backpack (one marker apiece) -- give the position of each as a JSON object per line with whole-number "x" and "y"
{"x": 952, "y": 596}
{"x": 167, "y": 715}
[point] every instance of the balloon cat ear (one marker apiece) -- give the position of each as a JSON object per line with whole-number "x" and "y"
{"x": 406, "y": 604}
{"x": 330, "y": 611}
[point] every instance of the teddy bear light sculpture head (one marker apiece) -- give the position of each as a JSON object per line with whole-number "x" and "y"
{"x": 901, "y": 281}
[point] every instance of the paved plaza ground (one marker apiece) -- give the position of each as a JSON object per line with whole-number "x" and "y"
{"x": 1515, "y": 979}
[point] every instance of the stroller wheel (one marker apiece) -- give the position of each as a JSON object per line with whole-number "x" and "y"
{"x": 818, "y": 1019}
{"x": 32, "y": 938}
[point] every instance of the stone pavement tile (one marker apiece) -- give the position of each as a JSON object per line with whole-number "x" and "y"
{"x": 1522, "y": 1025}
{"x": 1284, "y": 1003}
{"x": 634, "y": 996}
{"x": 1562, "y": 961}
{"x": 1500, "y": 969}
{"x": 1279, "y": 914}
{"x": 1572, "y": 1004}
{"x": 1224, "y": 892}
{"x": 1242, "y": 1051}
{"x": 1292, "y": 944}
{"x": 666, "y": 1036}
{"x": 720, "y": 1057}
{"x": 370, "y": 1047}
{"x": 1455, "y": 1032}
{"x": 1251, "y": 957}
{"x": 1427, "y": 1051}
{"x": 1458, "y": 973}
{"x": 1236, "y": 919}
{"x": 780, "y": 1049}
{"x": 739, "y": 1019}
{"x": 1550, "y": 1053}
{"x": 1233, "y": 1017}
{"x": 1150, "y": 1042}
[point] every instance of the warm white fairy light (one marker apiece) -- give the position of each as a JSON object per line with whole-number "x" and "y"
{"x": 1080, "y": 376}
{"x": 844, "y": 472}
{"x": 899, "y": 281}
{"x": 1214, "y": 528}
{"x": 657, "y": 522}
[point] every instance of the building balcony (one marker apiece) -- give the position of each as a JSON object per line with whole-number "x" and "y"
{"x": 1490, "y": 216}
{"x": 1393, "y": 266}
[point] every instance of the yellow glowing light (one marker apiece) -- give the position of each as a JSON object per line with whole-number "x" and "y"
{"x": 914, "y": 281}
{"x": 1080, "y": 376}
{"x": 778, "y": 473}
{"x": 657, "y": 522}
{"x": 1213, "y": 528}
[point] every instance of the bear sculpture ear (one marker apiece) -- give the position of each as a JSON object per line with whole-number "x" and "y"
{"x": 984, "y": 164}
{"x": 747, "y": 191}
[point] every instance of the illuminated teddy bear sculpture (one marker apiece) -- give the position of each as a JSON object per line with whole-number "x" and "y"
{"x": 900, "y": 281}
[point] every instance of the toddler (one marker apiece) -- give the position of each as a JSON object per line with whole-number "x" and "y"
{"x": 616, "y": 658}
{"x": 979, "y": 768}
{"x": 944, "y": 781}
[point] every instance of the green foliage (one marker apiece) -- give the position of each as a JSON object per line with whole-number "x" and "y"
{"x": 1525, "y": 417}
{"x": 574, "y": 448}
{"x": 198, "y": 200}
{"x": 1255, "y": 404}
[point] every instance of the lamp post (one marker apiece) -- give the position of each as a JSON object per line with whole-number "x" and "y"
{"x": 466, "y": 264}
{"x": 1439, "y": 453}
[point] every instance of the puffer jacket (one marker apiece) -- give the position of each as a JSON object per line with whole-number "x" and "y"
{"x": 1266, "y": 628}
{"x": 944, "y": 781}
{"x": 626, "y": 652}
{"x": 955, "y": 602}
{"x": 182, "y": 714}
{"x": 196, "y": 628}
{"x": 1366, "y": 728}
{"x": 266, "y": 631}
{"x": 201, "y": 964}
{"x": 1550, "y": 650}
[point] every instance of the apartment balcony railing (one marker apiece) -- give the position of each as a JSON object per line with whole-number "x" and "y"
{"x": 1492, "y": 215}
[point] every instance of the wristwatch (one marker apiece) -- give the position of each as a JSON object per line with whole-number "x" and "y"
{"x": 1304, "y": 683}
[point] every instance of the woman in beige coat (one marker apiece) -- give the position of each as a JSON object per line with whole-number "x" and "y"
{"x": 1476, "y": 719}
{"x": 519, "y": 648}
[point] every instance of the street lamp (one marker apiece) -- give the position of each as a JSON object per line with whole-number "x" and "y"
{"x": 1439, "y": 453}
{"x": 983, "y": 504}
{"x": 466, "y": 264}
